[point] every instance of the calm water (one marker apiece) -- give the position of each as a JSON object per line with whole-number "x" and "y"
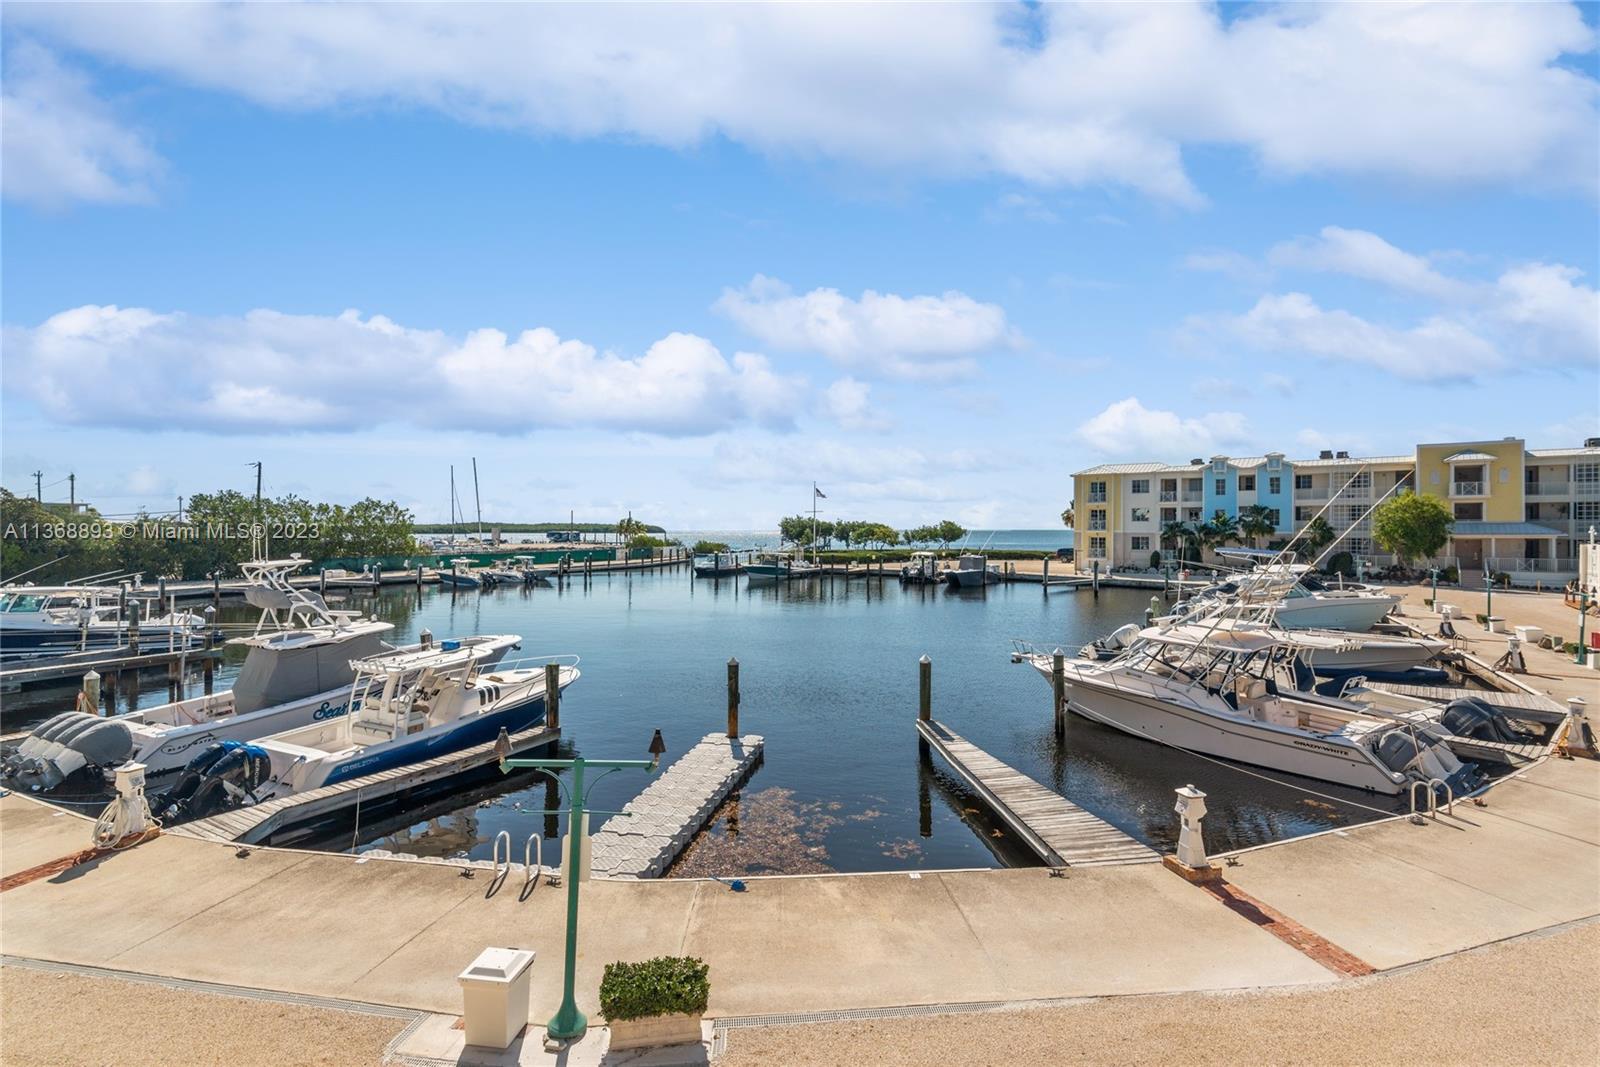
{"x": 829, "y": 677}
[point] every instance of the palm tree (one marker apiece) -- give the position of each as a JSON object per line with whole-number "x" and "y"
{"x": 1220, "y": 530}
{"x": 1255, "y": 521}
{"x": 1070, "y": 515}
{"x": 1316, "y": 536}
{"x": 1182, "y": 536}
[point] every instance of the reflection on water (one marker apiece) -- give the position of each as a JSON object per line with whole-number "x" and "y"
{"x": 829, "y": 678}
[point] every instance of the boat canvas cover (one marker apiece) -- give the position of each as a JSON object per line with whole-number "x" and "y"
{"x": 1228, "y": 640}
{"x": 282, "y": 675}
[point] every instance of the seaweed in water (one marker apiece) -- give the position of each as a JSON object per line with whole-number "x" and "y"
{"x": 763, "y": 833}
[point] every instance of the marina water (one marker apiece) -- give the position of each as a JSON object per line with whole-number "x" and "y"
{"x": 829, "y": 678}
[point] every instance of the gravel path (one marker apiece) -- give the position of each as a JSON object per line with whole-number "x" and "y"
{"x": 66, "y": 1020}
{"x": 1531, "y": 1001}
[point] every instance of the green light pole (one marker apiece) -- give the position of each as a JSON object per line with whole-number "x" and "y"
{"x": 1433, "y": 572}
{"x": 1583, "y": 615}
{"x": 568, "y": 1023}
{"x": 1488, "y": 599}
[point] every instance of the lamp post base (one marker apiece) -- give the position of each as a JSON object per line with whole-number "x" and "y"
{"x": 568, "y": 1024}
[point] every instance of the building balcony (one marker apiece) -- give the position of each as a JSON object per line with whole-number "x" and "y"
{"x": 1547, "y": 489}
{"x": 1193, "y": 498}
{"x": 1311, "y": 494}
{"x": 1169, "y": 496}
{"x": 1097, "y": 527}
{"x": 1097, "y": 498}
{"x": 1466, "y": 489}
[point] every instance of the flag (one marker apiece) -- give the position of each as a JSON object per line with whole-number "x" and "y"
{"x": 820, "y": 494}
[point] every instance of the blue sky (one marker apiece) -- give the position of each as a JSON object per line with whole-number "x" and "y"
{"x": 930, "y": 263}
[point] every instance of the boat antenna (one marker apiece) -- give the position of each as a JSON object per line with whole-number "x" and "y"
{"x": 476, "y": 503}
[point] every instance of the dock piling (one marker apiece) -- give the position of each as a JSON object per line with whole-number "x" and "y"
{"x": 216, "y": 590}
{"x": 91, "y": 693}
{"x": 552, "y": 695}
{"x": 109, "y": 683}
{"x": 1058, "y": 691}
{"x": 1045, "y": 582}
{"x": 925, "y": 688}
{"x": 133, "y": 626}
{"x": 208, "y": 668}
{"x": 1097, "y": 579}
{"x": 733, "y": 698}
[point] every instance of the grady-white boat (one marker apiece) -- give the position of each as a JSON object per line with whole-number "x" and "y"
{"x": 1234, "y": 693}
{"x": 716, "y": 565}
{"x": 296, "y": 671}
{"x": 971, "y": 571}
{"x": 57, "y": 619}
{"x": 407, "y": 708}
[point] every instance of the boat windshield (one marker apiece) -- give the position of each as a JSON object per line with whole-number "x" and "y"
{"x": 22, "y": 602}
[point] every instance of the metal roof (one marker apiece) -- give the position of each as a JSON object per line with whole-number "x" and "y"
{"x": 1356, "y": 461}
{"x": 1470, "y": 457}
{"x": 1564, "y": 453}
{"x": 1141, "y": 468}
{"x": 1502, "y": 529}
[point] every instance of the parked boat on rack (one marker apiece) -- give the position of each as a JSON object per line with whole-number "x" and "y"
{"x": 1279, "y": 591}
{"x": 461, "y": 574}
{"x": 406, "y": 709}
{"x": 921, "y": 569}
{"x": 1233, "y": 694}
{"x": 296, "y": 671}
{"x": 971, "y": 572}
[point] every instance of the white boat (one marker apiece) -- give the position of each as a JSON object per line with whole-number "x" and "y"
{"x": 58, "y": 619}
{"x": 296, "y": 671}
{"x": 1232, "y": 694}
{"x": 1280, "y": 591}
{"x": 774, "y": 568}
{"x": 407, "y": 708}
{"x": 922, "y": 568}
{"x": 340, "y": 578}
{"x": 971, "y": 571}
{"x": 461, "y": 574}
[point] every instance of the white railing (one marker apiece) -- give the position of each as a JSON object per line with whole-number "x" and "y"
{"x": 1547, "y": 488}
{"x": 1169, "y": 496}
{"x": 1311, "y": 494}
{"x": 1466, "y": 489}
{"x": 1097, "y": 498}
{"x": 1559, "y": 565}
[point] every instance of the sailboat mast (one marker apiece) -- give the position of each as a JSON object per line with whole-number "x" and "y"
{"x": 452, "y": 501}
{"x": 476, "y": 503}
{"x": 815, "y": 554}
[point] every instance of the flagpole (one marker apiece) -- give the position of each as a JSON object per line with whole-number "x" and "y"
{"x": 816, "y": 557}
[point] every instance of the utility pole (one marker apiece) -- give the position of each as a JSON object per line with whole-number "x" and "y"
{"x": 180, "y": 511}
{"x": 38, "y": 486}
{"x": 257, "y": 466}
{"x": 72, "y": 491}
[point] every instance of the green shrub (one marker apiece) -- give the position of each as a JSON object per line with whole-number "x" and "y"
{"x": 707, "y": 548}
{"x": 1155, "y": 561}
{"x": 1450, "y": 574}
{"x": 1342, "y": 563}
{"x": 666, "y": 985}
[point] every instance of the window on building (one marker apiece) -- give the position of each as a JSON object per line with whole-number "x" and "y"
{"x": 1274, "y": 517}
{"x": 1302, "y": 481}
{"x": 1247, "y": 483}
{"x": 1470, "y": 512}
{"x": 1361, "y": 481}
{"x": 1097, "y": 518}
{"x": 1358, "y": 546}
{"x": 1222, "y": 487}
{"x": 1351, "y": 513}
{"x": 1303, "y": 514}
{"x": 1097, "y": 548}
{"x": 1139, "y": 486}
{"x": 1141, "y": 514}
{"x": 1191, "y": 485}
{"x": 1169, "y": 514}
{"x": 1191, "y": 514}
{"x": 1586, "y": 510}
{"x": 1097, "y": 492}
{"x": 1586, "y": 473}
{"x": 1274, "y": 485}
{"x": 1141, "y": 544}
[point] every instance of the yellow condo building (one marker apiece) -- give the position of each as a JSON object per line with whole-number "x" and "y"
{"x": 1518, "y": 510}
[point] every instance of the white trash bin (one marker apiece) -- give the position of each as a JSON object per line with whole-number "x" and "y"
{"x": 1529, "y": 635}
{"x": 494, "y": 995}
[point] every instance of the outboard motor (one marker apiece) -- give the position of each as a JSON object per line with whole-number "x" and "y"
{"x": 221, "y": 777}
{"x": 1112, "y": 645}
{"x": 65, "y": 744}
{"x": 1422, "y": 756}
{"x": 1470, "y": 717}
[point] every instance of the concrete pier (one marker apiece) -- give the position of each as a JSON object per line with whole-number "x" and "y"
{"x": 660, "y": 822}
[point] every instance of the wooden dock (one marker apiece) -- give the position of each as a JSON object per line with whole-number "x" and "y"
{"x": 1538, "y": 706}
{"x": 260, "y": 821}
{"x": 75, "y": 665}
{"x": 1060, "y": 832}
{"x": 653, "y": 827}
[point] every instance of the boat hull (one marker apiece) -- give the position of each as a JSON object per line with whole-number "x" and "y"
{"x": 1356, "y": 614}
{"x": 1132, "y": 708}
{"x": 172, "y": 750}
{"x": 480, "y": 729}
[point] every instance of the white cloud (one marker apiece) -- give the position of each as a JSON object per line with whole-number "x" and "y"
{"x": 1094, "y": 93}
{"x": 848, "y": 402}
{"x": 1231, "y": 264}
{"x": 1020, "y": 205}
{"x": 1437, "y": 349}
{"x": 267, "y": 370}
{"x": 916, "y": 336}
{"x": 60, "y": 144}
{"x": 1539, "y": 313}
{"x": 1128, "y": 428}
{"x": 1366, "y": 255}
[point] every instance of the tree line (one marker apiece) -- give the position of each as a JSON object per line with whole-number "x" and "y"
{"x": 797, "y": 530}
{"x": 216, "y": 533}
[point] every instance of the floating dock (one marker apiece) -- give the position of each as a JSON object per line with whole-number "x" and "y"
{"x": 260, "y": 821}
{"x": 1060, "y": 832}
{"x": 75, "y": 665}
{"x": 653, "y": 827}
